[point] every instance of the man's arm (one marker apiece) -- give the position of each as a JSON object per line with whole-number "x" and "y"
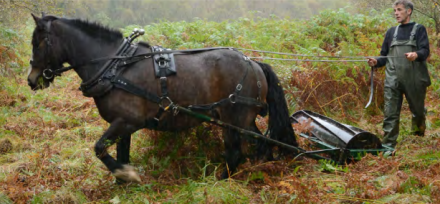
{"x": 423, "y": 44}
{"x": 385, "y": 49}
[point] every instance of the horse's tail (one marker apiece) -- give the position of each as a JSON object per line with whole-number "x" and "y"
{"x": 280, "y": 127}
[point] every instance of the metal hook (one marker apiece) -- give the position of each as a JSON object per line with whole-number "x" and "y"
{"x": 175, "y": 110}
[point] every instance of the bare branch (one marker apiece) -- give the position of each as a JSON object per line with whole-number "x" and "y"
{"x": 22, "y": 6}
{"x": 436, "y": 4}
{"x": 425, "y": 14}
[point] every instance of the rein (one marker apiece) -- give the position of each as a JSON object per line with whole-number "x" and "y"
{"x": 143, "y": 56}
{"x": 134, "y": 58}
{"x": 313, "y": 56}
{"x": 305, "y": 60}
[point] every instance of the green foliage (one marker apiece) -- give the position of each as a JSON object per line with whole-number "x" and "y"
{"x": 347, "y": 34}
{"x": 64, "y": 195}
{"x": 4, "y": 199}
{"x": 150, "y": 11}
{"x": 211, "y": 191}
{"x": 413, "y": 186}
{"x": 429, "y": 158}
{"x": 259, "y": 175}
{"x": 9, "y": 55}
{"x": 331, "y": 166}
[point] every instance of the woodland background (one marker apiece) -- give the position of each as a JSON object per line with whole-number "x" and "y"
{"x": 47, "y": 137}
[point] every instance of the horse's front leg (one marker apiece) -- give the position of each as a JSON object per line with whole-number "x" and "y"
{"x": 120, "y": 171}
{"x": 123, "y": 149}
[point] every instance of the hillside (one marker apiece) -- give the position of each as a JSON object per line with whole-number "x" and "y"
{"x": 47, "y": 137}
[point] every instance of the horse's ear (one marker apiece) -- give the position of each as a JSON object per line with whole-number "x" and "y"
{"x": 36, "y": 19}
{"x": 40, "y": 23}
{"x": 43, "y": 14}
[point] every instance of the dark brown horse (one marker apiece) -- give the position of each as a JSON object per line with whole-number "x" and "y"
{"x": 223, "y": 84}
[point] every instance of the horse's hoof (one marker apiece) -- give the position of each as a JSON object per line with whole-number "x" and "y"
{"x": 127, "y": 174}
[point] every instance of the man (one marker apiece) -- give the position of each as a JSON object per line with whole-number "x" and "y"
{"x": 407, "y": 48}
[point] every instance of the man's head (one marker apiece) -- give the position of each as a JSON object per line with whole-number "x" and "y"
{"x": 403, "y": 10}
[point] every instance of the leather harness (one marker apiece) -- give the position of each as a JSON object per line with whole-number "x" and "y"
{"x": 110, "y": 73}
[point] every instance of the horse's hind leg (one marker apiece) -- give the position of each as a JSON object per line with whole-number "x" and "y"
{"x": 263, "y": 149}
{"x": 232, "y": 142}
{"x": 123, "y": 149}
{"x": 123, "y": 172}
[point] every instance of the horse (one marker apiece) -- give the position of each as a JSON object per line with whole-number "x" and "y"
{"x": 223, "y": 83}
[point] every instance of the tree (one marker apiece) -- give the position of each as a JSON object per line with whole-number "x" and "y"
{"x": 430, "y": 9}
{"x": 14, "y": 11}
{"x": 426, "y": 8}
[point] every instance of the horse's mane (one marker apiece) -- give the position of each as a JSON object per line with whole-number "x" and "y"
{"x": 94, "y": 29}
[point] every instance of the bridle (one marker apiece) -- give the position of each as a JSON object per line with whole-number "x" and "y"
{"x": 48, "y": 72}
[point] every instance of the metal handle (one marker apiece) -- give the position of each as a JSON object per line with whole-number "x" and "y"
{"x": 371, "y": 87}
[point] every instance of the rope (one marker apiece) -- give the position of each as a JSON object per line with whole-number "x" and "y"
{"x": 319, "y": 56}
{"x": 306, "y": 60}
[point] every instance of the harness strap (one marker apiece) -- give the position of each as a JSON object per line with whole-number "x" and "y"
{"x": 124, "y": 46}
{"x": 235, "y": 97}
{"x": 248, "y": 101}
{"x": 162, "y": 71}
{"x": 239, "y": 86}
{"x": 232, "y": 99}
{"x": 256, "y": 75}
{"x": 413, "y": 32}
{"x": 124, "y": 84}
{"x": 208, "y": 107}
{"x": 395, "y": 33}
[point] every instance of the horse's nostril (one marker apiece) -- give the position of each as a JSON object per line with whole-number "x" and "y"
{"x": 29, "y": 82}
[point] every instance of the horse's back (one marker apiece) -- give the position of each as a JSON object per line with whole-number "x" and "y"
{"x": 214, "y": 75}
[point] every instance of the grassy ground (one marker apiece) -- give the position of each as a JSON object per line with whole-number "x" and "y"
{"x": 46, "y": 156}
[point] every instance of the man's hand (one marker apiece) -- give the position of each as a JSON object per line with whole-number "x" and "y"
{"x": 372, "y": 62}
{"x": 411, "y": 56}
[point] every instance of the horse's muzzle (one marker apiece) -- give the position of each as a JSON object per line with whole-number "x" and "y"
{"x": 38, "y": 85}
{"x": 32, "y": 85}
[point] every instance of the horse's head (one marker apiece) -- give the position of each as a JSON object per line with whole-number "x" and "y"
{"x": 46, "y": 53}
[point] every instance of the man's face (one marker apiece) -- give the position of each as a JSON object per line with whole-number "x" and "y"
{"x": 402, "y": 15}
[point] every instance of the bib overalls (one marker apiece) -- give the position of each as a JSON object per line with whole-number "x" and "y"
{"x": 404, "y": 78}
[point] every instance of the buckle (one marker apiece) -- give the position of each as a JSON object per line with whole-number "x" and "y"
{"x": 259, "y": 84}
{"x": 239, "y": 87}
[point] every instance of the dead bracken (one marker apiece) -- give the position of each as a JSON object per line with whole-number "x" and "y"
{"x": 5, "y": 146}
